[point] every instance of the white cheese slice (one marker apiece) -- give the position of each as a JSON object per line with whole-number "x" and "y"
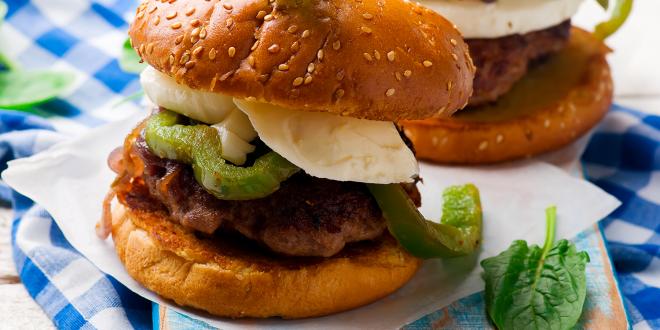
{"x": 478, "y": 19}
{"x": 333, "y": 147}
{"x": 164, "y": 91}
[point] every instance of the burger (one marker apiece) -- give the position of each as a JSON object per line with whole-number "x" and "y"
{"x": 270, "y": 178}
{"x": 540, "y": 82}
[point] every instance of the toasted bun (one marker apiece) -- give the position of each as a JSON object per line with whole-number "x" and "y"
{"x": 230, "y": 279}
{"x": 373, "y": 59}
{"x": 553, "y": 105}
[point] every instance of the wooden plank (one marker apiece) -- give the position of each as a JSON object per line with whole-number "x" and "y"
{"x": 17, "y": 309}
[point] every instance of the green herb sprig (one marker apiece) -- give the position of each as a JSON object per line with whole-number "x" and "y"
{"x": 21, "y": 89}
{"x": 529, "y": 287}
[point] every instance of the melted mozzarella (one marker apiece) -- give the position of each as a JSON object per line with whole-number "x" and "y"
{"x": 164, "y": 91}
{"x": 333, "y": 147}
{"x": 236, "y": 132}
{"x": 478, "y": 19}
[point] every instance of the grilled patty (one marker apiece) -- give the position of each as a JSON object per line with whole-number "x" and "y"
{"x": 307, "y": 216}
{"x": 501, "y": 62}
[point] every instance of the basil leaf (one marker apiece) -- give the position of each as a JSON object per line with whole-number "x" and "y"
{"x": 22, "y": 89}
{"x": 528, "y": 287}
{"x": 129, "y": 60}
{"x": 619, "y": 16}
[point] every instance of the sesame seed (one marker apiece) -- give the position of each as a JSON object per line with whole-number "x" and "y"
{"x": 295, "y": 46}
{"x": 212, "y": 54}
{"x": 153, "y": 9}
{"x": 367, "y": 16}
{"x": 157, "y": 20}
{"x": 178, "y": 39}
{"x": 150, "y": 48}
{"x": 141, "y": 50}
{"x": 339, "y": 93}
{"x": 274, "y": 48}
{"x": 268, "y": 17}
{"x": 483, "y": 145}
{"x": 367, "y": 57}
{"x": 320, "y": 54}
{"x": 195, "y": 23}
{"x": 407, "y": 73}
{"x": 397, "y": 75}
{"x": 366, "y": 30}
{"x": 171, "y": 15}
{"x": 311, "y": 67}
{"x": 231, "y": 51}
{"x": 499, "y": 138}
{"x": 340, "y": 75}
{"x": 377, "y": 54}
{"x": 308, "y": 80}
{"x": 185, "y": 58}
{"x": 298, "y": 81}
{"x": 336, "y": 45}
{"x": 140, "y": 15}
{"x": 198, "y": 51}
{"x": 306, "y": 34}
{"x": 261, "y": 14}
{"x": 427, "y": 63}
{"x": 202, "y": 33}
{"x": 390, "y": 92}
{"x": 195, "y": 32}
{"x": 227, "y": 6}
{"x": 449, "y": 85}
{"x": 251, "y": 98}
{"x": 283, "y": 67}
{"x": 255, "y": 45}
{"x": 292, "y": 29}
{"x": 391, "y": 56}
{"x": 172, "y": 59}
{"x": 454, "y": 56}
{"x": 190, "y": 64}
{"x": 229, "y": 22}
{"x": 250, "y": 60}
{"x": 453, "y": 42}
{"x": 176, "y": 26}
{"x": 190, "y": 11}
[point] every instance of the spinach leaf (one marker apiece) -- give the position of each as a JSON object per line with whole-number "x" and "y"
{"x": 528, "y": 287}
{"x": 22, "y": 89}
{"x": 130, "y": 61}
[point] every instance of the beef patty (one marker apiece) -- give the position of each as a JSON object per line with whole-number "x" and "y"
{"x": 501, "y": 62}
{"x": 307, "y": 216}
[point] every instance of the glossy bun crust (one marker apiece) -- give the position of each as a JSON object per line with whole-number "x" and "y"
{"x": 374, "y": 59}
{"x": 552, "y": 106}
{"x": 231, "y": 279}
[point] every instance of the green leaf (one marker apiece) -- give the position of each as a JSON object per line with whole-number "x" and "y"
{"x": 528, "y": 287}
{"x": 23, "y": 89}
{"x": 130, "y": 61}
{"x": 619, "y": 16}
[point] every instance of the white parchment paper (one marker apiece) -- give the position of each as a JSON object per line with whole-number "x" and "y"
{"x": 71, "y": 179}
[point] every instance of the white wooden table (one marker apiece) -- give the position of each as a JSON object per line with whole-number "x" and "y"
{"x": 17, "y": 309}
{"x": 637, "y": 81}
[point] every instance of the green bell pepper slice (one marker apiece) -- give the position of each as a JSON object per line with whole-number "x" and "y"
{"x": 200, "y": 146}
{"x": 457, "y": 234}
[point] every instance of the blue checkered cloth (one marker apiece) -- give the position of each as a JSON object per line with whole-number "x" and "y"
{"x": 85, "y": 37}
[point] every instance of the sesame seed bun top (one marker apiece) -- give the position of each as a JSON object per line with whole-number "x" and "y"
{"x": 373, "y": 59}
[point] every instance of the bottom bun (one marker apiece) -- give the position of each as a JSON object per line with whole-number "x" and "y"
{"x": 230, "y": 277}
{"x": 554, "y": 104}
